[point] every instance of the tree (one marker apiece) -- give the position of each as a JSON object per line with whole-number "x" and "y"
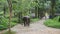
{"x": 10, "y": 10}
{"x": 53, "y": 4}
{"x": 3, "y": 7}
{"x": 36, "y": 9}
{"x": 4, "y": 10}
{"x": 22, "y": 8}
{"x": 41, "y": 8}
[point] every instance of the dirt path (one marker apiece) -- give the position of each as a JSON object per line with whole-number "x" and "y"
{"x": 35, "y": 28}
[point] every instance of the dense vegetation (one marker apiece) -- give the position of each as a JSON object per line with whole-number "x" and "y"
{"x": 54, "y": 23}
{"x": 4, "y": 23}
{"x": 12, "y": 12}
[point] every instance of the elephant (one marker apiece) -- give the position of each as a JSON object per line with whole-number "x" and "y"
{"x": 26, "y": 20}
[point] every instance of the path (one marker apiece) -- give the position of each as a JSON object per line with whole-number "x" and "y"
{"x": 35, "y": 28}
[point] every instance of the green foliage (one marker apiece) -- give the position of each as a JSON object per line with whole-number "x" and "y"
{"x": 4, "y": 23}
{"x": 14, "y": 20}
{"x": 53, "y": 23}
{"x": 25, "y": 7}
{"x": 56, "y": 18}
{"x": 34, "y": 19}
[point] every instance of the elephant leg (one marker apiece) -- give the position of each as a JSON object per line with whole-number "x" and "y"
{"x": 24, "y": 23}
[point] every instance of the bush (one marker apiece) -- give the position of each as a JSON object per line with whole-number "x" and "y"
{"x": 53, "y": 22}
{"x": 14, "y": 20}
{"x": 2, "y": 27}
{"x": 34, "y": 20}
{"x": 56, "y": 18}
{"x": 4, "y": 23}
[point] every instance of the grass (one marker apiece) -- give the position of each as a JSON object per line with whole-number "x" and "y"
{"x": 34, "y": 20}
{"x": 7, "y": 32}
{"x": 54, "y": 23}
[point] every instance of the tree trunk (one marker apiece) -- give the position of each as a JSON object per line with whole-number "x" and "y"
{"x": 36, "y": 12}
{"x": 4, "y": 10}
{"x": 36, "y": 9}
{"x": 53, "y": 3}
{"x": 10, "y": 10}
{"x": 19, "y": 17}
